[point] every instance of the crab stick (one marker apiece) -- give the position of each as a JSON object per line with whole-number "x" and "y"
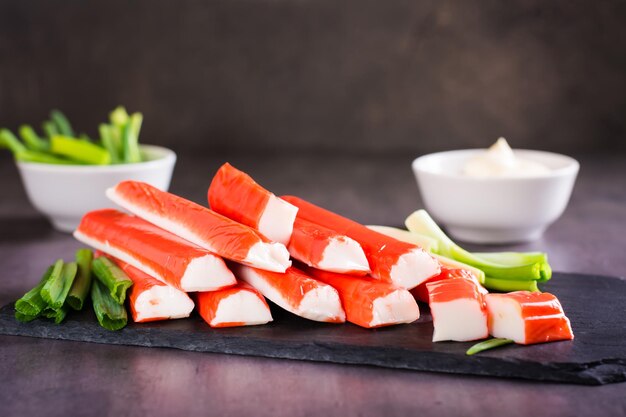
{"x": 325, "y": 249}
{"x": 240, "y": 305}
{"x": 154, "y": 251}
{"x": 199, "y": 225}
{"x": 296, "y": 292}
{"x": 458, "y": 310}
{"x": 368, "y": 302}
{"x": 527, "y": 317}
{"x": 421, "y": 291}
{"x": 152, "y": 300}
{"x": 237, "y": 196}
{"x": 400, "y": 263}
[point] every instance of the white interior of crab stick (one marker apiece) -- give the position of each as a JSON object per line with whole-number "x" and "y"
{"x": 460, "y": 320}
{"x": 242, "y": 307}
{"x": 394, "y": 308}
{"x": 506, "y": 321}
{"x": 205, "y": 273}
{"x": 342, "y": 255}
{"x": 269, "y": 256}
{"x": 413, "y": 268}
{"x": 319, "y": 304}
{"x": 162, "y": 301}
{"x": 276, "y": 222}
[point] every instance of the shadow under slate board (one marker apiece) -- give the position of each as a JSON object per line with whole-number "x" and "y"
{"x": 594, "y": 304}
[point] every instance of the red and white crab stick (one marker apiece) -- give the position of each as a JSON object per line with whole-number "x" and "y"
{"x": 154, "y": 251}
{"x": 527, "y": 317}
{"x": 368, "y": 302}
{"x": 199, "y": 225}
{"x": 400, "y": 263}
{"x": 296, "y": 292}
{"x": 151, "y": 299}
{"x": 240, "y": 305}
{"x": 421, "y": 291}
{"x": 236, "y": 195}
{"x": 325, "y": 249}
{"x": 458, "y": 310}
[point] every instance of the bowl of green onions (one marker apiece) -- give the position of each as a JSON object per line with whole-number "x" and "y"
{"x": 66, "y": 174}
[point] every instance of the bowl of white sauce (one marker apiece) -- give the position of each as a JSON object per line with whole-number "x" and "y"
{"x": 496, "y": 195}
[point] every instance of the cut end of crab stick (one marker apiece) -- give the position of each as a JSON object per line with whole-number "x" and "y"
{"x": 400, "y": 263}
{"x": 413, "y": 267}
{"x": 527, "y": 317}
{"x": 237, "y": 196}
{"x": 154, "y": 251}
{"x": 368, "y": 302}
{"x": 241, "y": 305}
{"x": 458, "y": 310}
{"x": 343, "y": 255}
{"x": 152, "y": 300}
{"x": 323, "y": 248}
{"x": 295, "y": 292}
{"x": 199, "y": 225}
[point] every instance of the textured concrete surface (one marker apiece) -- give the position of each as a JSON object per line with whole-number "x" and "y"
{"x": 73, "y": 378}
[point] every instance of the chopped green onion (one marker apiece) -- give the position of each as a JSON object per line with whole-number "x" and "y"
{"x": 80, "y": 150}
{"x": 111, "y": 315}
{"x": 58, "y": 285}
{"x": 49, "y": 128}
{"x": 43, "y": 158}
{"x": 130, "y": 139}
{"x": 31, "y": 304}
{"x": 24, "y": 318}
{"x": 82, "y": 282}
{"x": 109, "y": 143}
{"x": 32, "y": 139}
{"x": 487, "y": 344}
{"x": 8, "y": 140}
{"x": 119, "y": 117}
{"x": 113, "y": 278}
{"x": 62, "y": 124}
{"x": 57, "y": 314}
{"x": 508, "y": 285}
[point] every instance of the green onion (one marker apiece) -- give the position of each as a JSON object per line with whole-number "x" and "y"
{"x": 508, "y": 285}
{"x": 58, "y": 284}
{"x": 9, "y": 141}
{"x": 113, "y": 278}
{"x": 119, "y": 117}
{"x": 62, "y": 124}
{"x": 451, "y": 263}
{"x": 24, "y": 318}
{"x": 486, "y": 345}
{"x": 80, "y": 150}
{"x": 82, "y": 282}
{"x": 109, "y": 143}
{"x": 31, "y": 304}
{"x": 32, "y": 139}
{"x": 49, "y": 128}
{"x": 421, "y": 222}
{"x": 44, "y": 158}
{"x": 130, "y": 139}
{"x": 57, "y": 314}
{"x": 111, "y": 315}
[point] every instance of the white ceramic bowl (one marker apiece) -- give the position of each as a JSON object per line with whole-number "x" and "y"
{"x": 494, "y": 210}
{"x": 64, "y": 193}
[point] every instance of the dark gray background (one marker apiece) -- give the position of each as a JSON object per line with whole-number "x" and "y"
{"x": 356, "y": 77}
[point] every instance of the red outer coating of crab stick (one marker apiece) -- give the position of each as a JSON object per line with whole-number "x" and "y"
{"x": 325, "y": 249}
{"x": 458, "y": 310}
{"x": 154, "y": 251}
{"x": 527, "y": 317}
{"x": 153, "y": 300}
{"x": 391, "y": 260}
{"x": 368, "y": 302}
{"x": 421, "y": 292}
{"x": 241, "y": 305}
{"x": 296, "y": 292}
{"x": 200, "y": 225}
{"x": 237, "y": 196}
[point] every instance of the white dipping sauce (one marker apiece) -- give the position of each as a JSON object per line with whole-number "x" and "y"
{"x": 500, "y": 161}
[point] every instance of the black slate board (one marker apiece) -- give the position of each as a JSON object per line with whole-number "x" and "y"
{"x": 594, "y": 304}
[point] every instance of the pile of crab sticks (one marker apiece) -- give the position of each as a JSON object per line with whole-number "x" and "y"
{"x": 251, "y": 245}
